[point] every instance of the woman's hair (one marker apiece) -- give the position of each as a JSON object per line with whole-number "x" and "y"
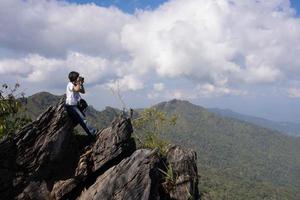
{"x": 73, "y": 76}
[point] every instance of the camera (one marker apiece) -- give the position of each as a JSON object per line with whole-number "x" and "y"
{"x": 81, "y": 79}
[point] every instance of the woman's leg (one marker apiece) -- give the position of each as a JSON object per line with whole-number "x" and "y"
{"x": 78, "y": 116}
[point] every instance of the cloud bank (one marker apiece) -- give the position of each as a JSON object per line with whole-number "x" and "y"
{"x": 222, "y": 47}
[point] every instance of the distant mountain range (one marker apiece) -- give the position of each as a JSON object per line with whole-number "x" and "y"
{"x": 289, "y": 128}
{"x": 236, "y": 159}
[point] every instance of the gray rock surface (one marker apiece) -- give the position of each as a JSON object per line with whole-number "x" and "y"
{"x": 111, "y": 146}
{"x": 183, "y": 163}
{"x": 36, "y": 154}
{"x": 136, "y": 177}
{"x": 113, "y": 142}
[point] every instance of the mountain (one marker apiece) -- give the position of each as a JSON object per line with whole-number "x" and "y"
{"x": 289, "y": 128}
{"x": 39, "y": 102}
{"x": 236, "y": 159}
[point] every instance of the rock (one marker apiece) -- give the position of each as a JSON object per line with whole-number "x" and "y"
{"x": 136, "y": 177}
{"x": 112, "y": 145}
{"x": 41, "y": 151}
{"x": 62, "y": 188}
{"x": 113, "y": 142}
{"x": 183, "y": 163}
{"x": 44, "y": 140}
{"x": 7, "y": 168}
{"x": 35, "y": 190}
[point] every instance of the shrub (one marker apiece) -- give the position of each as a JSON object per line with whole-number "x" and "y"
{"x": 150, "y": 126}
{"x": 11, "y": 110}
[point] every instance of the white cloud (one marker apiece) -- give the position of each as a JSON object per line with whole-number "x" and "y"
{"x": 190, "y": 92}
{"x": 158, "y": 87}
{"x": 178, "y": 94}
{"x": 262, "y": 74}
{"x": 54, "y": 71}
{"x": 157, "y": 91}
{"x": 217, "y": 44}
{"x": 210, "y": 90}
{"x": 14, "y": 67}
{"x": 129, "y": 82}
{"x": 294, "y": 92}
{"x": 233, "y": 42}
{"x": 52, "y": 28}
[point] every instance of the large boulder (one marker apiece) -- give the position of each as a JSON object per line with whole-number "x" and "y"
{"x": 136, "y": 177}
{"x": 112, "y": 145}
{"x": 182, "y": 163}
{"x": 41, "y": 152}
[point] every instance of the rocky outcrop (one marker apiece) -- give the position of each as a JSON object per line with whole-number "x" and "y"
{"x": 111, "y": 145}
{"x": 40, "y": 153}
{"x": 183, "y": 164}
{"x": 46, "y": 160}
{"x": 136, "y": 177}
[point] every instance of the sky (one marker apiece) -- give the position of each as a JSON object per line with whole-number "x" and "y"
{"x": 239, "y": 55}
{"x": 129, "y": 6}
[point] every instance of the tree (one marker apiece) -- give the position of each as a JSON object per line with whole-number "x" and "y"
{"x": 12, "y": 115}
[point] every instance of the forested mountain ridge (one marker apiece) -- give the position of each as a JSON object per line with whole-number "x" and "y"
{"x": 239, "y": 158}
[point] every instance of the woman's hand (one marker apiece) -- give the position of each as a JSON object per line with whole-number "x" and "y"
{"x": 79, "y": 81}
{"x": 79, "y": 86}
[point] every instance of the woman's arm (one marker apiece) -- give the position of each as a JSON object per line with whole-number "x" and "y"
{"x": 76, "y": 87}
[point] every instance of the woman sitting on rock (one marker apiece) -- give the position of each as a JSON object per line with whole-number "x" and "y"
{"x": 74, "y": 88}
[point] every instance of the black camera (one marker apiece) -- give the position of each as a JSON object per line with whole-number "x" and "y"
{"x": 81, "y": 79}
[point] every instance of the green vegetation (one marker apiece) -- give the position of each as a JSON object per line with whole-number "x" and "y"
{"x": 170, "y": 177}
{"x": 150, "y": 126}
{"x": 11, "y": 109}
{"x": 236, "y": 160}
{"x": 154, "y": 141}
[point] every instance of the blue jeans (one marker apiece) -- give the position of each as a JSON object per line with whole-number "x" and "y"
{"x": 78, "y": 117}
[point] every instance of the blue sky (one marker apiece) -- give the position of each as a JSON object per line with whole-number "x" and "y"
{"x": 186, "y": 49}
{"x": 131, "y": 5}
{"x": 296, "y": 5}
{"x": 126, "y": 5}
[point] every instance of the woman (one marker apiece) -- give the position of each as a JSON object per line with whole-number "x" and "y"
{"x": 74, "y": 88}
